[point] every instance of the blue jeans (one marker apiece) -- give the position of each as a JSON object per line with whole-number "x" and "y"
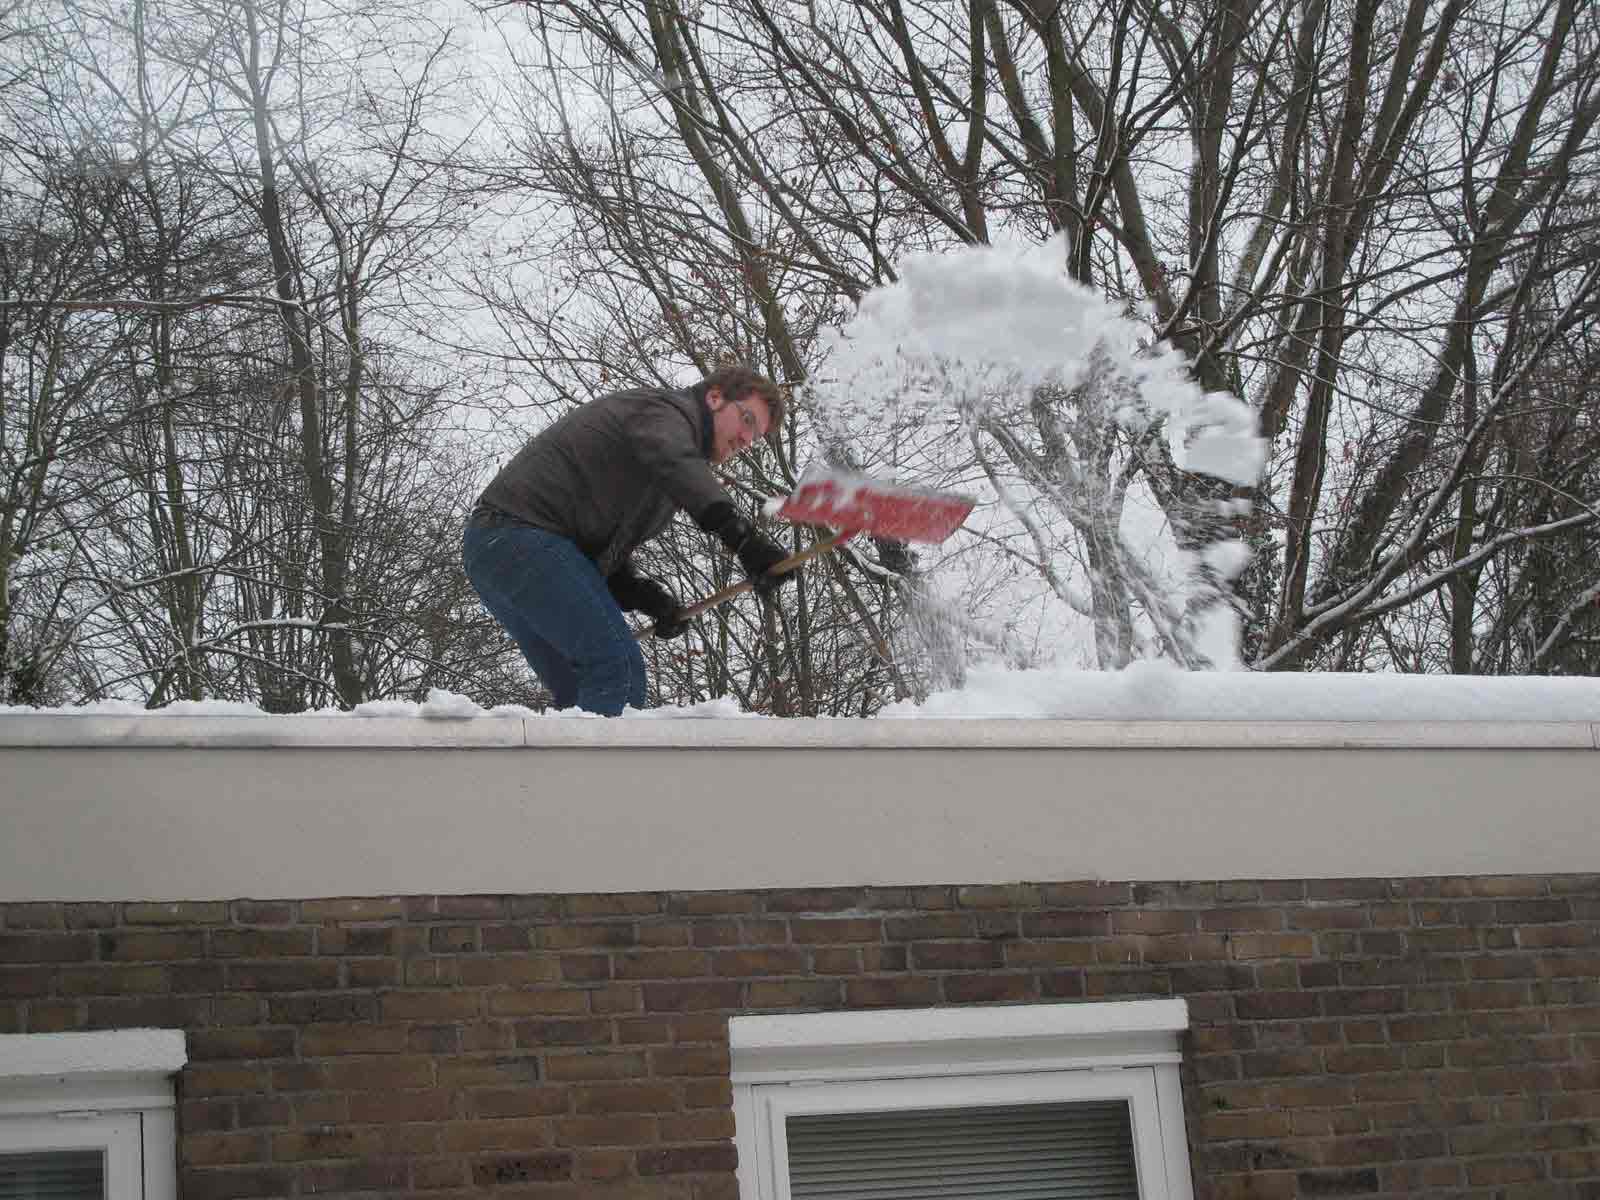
{"x": 553, "y": 601}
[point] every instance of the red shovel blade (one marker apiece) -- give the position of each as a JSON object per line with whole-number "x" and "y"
{"x": 841, "y": 500}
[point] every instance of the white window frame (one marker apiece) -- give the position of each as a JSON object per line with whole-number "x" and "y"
{"x": 109, "y": 1090}
{"x": 958, "y": 1058}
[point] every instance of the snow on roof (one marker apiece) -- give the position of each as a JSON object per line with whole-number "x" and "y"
{"x": 1145, "y": 691}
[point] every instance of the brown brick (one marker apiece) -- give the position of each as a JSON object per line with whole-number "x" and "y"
{"x": 536, "y": 1001}
{"x": 1347, "y": 889}
{"x": 585, "y": 968}
{"x": 335, "y": 1178}
{"x": 625, "y": 1130}
{"x": 453, "y": 939}
{"x": 26, "y": 981}
{"x": 1538, "y": 937}
{"x": 516, "y": 970}
{"x": 689, "y": 1060}
{"x": 1145, "y": 920}
{"x": 1356, "y": 1182}
{"x": 318, "y": 1041}
{"x": 644, "y": 1031}
{"x": 786, "y": 960}
{"x": 205, "y": 1116}
{"x": 262, "y": 943}
{"x": 615, "y": 935}
{"x": 498, "y": 939}
{"x": 475, "y": 1070}
{"x": 1278, "y": 1006}
{"x": 604, "y": 1098}
{"x": 33, "y": 916}
{"x": 601, "y": 1165}
{"x": 665, "y": 934}
{"x": 522, "y": 1133}
{"x": 46, "y": 947}
{"x": 662, "y": 964}
{"x": 1359, "y": 1001}
{"x": 1363, "y": 1060}
{"x": 379, "y": 1074}
{"x": 1185, "y": 894}
{"x": 536, "y": 1034}
{"x": 1049, "y": 954}
{"x": 930, "y": 926}
{"x": 676, "y": 1160}
{"x": 1088, "y": 923}
{"x": 1004, "y": 895}
{"x": 835, "y": 930}
{"x": 590, "y": 1065}
{"x": 837, "y": 960}
{"x": 814, "y": 900}
{"x": 956, "y": 956}
{"x": 356, "y": 940}
{"x": 430, "y": 1006}
{"x": 223, "y": 1079}
{"x": 1085, "y": 895}
{"x": 617, "y": 998}
{"x": 693, "y": 997}
{"x": 876, "y": 959}
{"x": 698, "y": 904}
{"x": 869, "y": 993}
{"x": 207, "y": 1044}
{"x": 353, "y": 910}
{"x": 794, "y": 993}
{"x": 990, "y": 989}
{"x": 330, "y": 1007}
{"x": 1267, "y": 1064}
{"x": 233, "y": 1183}
{"x": 263, "y": 912}
{"x": 328, "y": 1141}
{"x": 1272, "y": 945}
{"x": 220, "y": 1149}
{"x": 148, "y": 1012}
{"x": 438, "y": 1174}
{"x": 143, "y": 948}
{"x": 619, "y": 904}
{"x": 520, "y": 1102}
{"x": 706, "y": 1125}
{"x": 394, "y": 1108}
{"x": 175, "y": 914}
{"x": 707, "y": 1093}
{"x": 511, "y": 1169}
{"x": 256, "y": 1111}
{"x": 1063, "y": 985}
{"x": 309, "y": 975}
{"x": 717, "y": 933}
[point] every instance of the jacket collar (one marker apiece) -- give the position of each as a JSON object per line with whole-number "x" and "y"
{"x": 707, "y": 418}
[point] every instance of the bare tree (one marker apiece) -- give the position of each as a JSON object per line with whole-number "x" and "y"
{"x": 1346, "y": 215}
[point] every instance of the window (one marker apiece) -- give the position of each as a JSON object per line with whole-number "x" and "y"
{"x": 1077, "y": 1100}
{"x": 89, "y": 1116}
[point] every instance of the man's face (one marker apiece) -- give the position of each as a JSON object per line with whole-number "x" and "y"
{"x": 735, "y": 423}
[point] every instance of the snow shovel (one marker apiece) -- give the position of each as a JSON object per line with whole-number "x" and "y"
{"x": 851, "y": 504}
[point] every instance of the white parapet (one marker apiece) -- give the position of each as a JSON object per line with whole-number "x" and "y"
{"x": 129, "y": 807}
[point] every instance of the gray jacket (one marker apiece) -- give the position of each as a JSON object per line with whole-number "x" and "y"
{"x": 610, "y": 474}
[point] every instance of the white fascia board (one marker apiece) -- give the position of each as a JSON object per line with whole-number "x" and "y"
{"x": 908, "y": 1043}
{"x": 61, "y": 1057}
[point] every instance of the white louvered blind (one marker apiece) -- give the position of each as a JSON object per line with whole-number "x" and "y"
{"x": 53, "y": 1175}
{"x": 1070, "y": 1151}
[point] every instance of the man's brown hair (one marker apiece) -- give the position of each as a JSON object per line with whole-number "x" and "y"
{"x": 736, "y": 382}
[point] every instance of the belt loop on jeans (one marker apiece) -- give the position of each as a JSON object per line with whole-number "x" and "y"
{"x": 484, "y": 516}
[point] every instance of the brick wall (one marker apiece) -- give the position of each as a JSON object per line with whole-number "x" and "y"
{"x": 1434, "y": 1037}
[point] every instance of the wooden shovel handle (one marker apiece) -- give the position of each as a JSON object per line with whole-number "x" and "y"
{"x": 738, "y": 589}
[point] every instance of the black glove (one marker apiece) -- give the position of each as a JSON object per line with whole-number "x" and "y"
{"x": 640, "y": 593}
{"x": 758, "y": 554}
